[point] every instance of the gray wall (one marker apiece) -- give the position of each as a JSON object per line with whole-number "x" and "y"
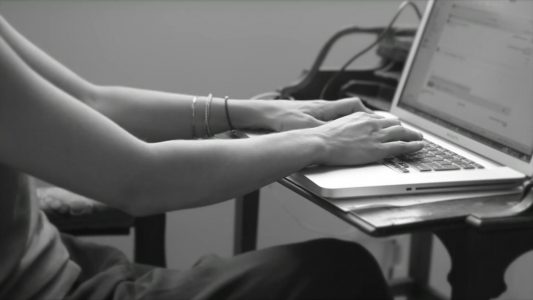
{"x": 235, "y": 48}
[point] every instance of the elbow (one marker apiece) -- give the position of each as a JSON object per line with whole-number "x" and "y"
{"x": 135, "y": 198}
{"x": 128, "y": 203}
{"x": 137, "y": 205}
{"x": 136, "y": 210}
{"x": 133, "y": 192}
{"x": 133, "y": 202}
{"x": 147, "y": 195}
{"x": 145, "y": 200}
{"x": 152, "y": 187}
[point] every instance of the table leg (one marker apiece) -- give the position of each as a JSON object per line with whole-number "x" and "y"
{"x": 150, "y": 240}
{"x": 416, "y": 285}
{"x": 480, "y": 258}
{"x": 246, "y": 220}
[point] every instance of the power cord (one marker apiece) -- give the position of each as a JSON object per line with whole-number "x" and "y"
{"x": 381, "y": 36}
{"x": 286, "y": 92}
{"x": 307, "y": 78}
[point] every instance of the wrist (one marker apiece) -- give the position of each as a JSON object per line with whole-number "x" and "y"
{"x": 248, "y": 114}
{"x": 314, "y": 144}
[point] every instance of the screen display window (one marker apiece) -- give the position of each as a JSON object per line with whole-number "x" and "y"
{"x": 473, "y": 73}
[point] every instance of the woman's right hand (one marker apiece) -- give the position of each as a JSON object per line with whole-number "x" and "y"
{"x": 361, "y": 138}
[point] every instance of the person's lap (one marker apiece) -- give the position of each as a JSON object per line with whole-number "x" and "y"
{"x": 319, "y": 269}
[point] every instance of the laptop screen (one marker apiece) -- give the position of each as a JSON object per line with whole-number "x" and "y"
{"x": 473, "y": 73}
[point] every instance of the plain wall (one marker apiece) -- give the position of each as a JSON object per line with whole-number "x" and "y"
{"x": 236, "y": 48}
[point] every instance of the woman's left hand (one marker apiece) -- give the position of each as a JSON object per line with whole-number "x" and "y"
{"x": 283, "y": 115}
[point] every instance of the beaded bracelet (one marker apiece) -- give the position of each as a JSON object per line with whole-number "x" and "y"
{"x": 226, "y": 98}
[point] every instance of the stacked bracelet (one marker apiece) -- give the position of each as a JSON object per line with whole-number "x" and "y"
{"x": 207, "y": 116}
{"x": 227, "y": 113}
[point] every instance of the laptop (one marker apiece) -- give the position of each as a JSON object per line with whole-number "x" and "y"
{"x": 468, "y": 87}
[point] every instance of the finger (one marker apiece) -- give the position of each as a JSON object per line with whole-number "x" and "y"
{"x": 360, "y": 114}
{"x": 358, "y": 117}
{"x": 312, "y": 122}
{"x": 385, "y": 122}
{"x": 364, "y": 108}
{"x": 400, "y": 147}
{"x": 81, "y": 208}
{"x": 343, "y": 107}
{"x": 58, "y": 205}
{"x": 356, "y": 104}
{"x": 399, "y": 133}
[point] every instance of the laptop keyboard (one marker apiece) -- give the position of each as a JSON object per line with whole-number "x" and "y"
{"x": 431, "y": 158}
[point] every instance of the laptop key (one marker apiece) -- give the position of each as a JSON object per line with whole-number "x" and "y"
{"x": 422, "y": 167}
{"x": 447, "y": 168}
{"x": 392, "y": 163}
{"x": 432, "y": 158}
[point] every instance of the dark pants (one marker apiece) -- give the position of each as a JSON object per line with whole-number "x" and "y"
{"x": 320, "y": 269}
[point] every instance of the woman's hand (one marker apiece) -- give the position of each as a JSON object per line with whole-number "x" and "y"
{"x": 283, "y": 115}
{"x": 349, "y": 132}
{"x": 362, "y": 138}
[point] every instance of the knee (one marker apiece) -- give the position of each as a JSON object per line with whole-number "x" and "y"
{"x": 332, "y": 245}
{"x": 320, "y": 256}
{"x": 317, "y": 269}
{"x": 341, "y": 268}
{"x": 338, "y": 256}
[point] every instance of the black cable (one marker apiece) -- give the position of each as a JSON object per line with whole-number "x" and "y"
{"x": 415, "y": 8}
{"x": 381, "y": 36}
{"x": 304, "y": 81}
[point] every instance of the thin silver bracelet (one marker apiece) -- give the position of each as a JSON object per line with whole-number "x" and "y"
{"x": 193, "y": 123}
{"x": 207, "y": 114}
{"x": 227, "y": 113}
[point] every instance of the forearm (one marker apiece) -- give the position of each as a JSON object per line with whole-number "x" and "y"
{"x": 44, "y": 132}
{"x": 190, "y": 174}
{"x": 150, "y": 115}
{"x": 160, "y": 116}
{"x": 47, "y": 133}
